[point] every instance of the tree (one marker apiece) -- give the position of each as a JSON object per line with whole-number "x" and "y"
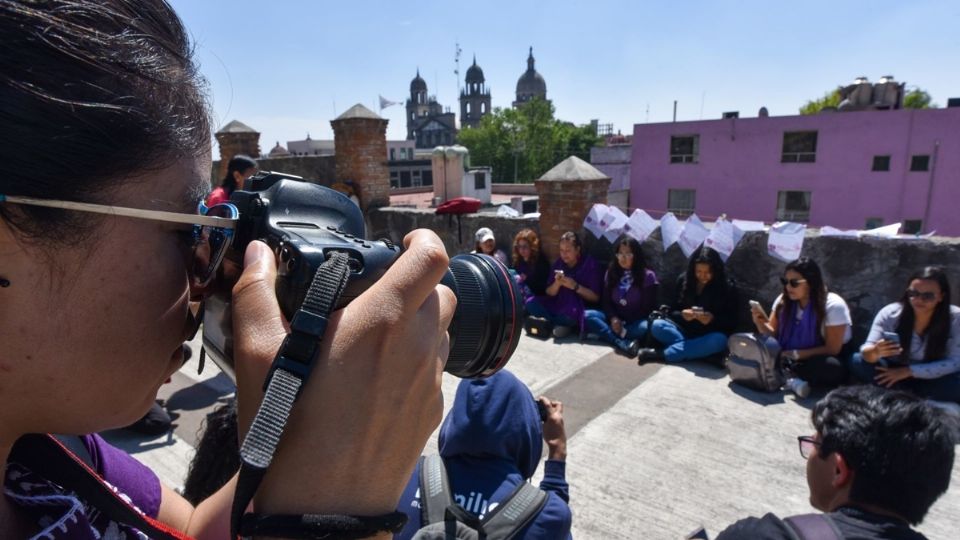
{"x": 830, "y": 99}
{"x": 521, "y": 144}
{"x": 918, "y": 99}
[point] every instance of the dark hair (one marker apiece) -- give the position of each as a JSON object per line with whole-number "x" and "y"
{"x": 806, "y": 267}
{"x": 900, "y": 449}
{"x": 91, "y": 93}
{"x": 217, "y": 456}
{"x": 239, "y": 163}
{"x": 572, "y": 237}
{"x": 938, "y": 331}
{"x": 708, "y": 256}
{"x": 531, "y": 237}
{"x": 637, "y": 270}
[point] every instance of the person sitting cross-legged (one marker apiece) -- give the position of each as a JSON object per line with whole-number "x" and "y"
{"x": 573, "y": 284}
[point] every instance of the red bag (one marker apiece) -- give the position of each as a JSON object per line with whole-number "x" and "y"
{"x": 459, "y": 205}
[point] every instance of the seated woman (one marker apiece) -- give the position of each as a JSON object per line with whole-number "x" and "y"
{"x": 487, "y": 244}
{"x": 811, "y": 324}
{"x": 629, "y": 295}
{"x": 574, "y": 282}
{"x": 914, "y": 344}
{"x": 703, "y": 316}
{"x": 530, "y": 267}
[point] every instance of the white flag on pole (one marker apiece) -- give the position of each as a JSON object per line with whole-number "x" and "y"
{"x": 785, "y": 240}
{"x": 640, "y": 225}
{"x": 384, "y": 103}
{"x": 593, "y": 219}
{"x": 693, "y": 234}
{"x": 669, "y": 229}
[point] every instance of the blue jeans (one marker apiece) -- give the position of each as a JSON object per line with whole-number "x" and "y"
{"x": 536, "y": 309}
{"x": 680, "y": 348}
{"x": 946, "y": 388}
{"x": 596, "y": 323}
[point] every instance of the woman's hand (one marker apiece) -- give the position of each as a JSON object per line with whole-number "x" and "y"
{"x": 704, "y": 317}
{"x": 374, "y": 394}
{"x": 890, "y": 376}
{"x": 881, "y": 349}
{"x": 616, "y": 325}
{"x": 688, "y": 315}
{"x": 568, "y": 282}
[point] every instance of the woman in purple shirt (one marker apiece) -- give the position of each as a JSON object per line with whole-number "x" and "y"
{"x": 629, "y": 295}
{"x": 574, "y": 282}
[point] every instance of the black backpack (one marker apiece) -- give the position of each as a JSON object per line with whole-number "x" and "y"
{"x": 443, "y": 519}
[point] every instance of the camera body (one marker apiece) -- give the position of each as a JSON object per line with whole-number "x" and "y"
{"x": 303, "y": 223}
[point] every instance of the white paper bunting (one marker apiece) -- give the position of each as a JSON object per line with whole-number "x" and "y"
{"x": 721, "y": 238}
{"x": 669, "y": 229}
{"x": 593, "y": 219}
{"x": 640, "y": 225}
{"x": 785, "y": 240}
{"x": 613, "y": 224}
{"x": 693, "y": 234}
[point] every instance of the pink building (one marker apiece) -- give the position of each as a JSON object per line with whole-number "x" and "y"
{"x": 851, "y": 170}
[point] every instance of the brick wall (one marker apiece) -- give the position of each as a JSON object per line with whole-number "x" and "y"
{"x": 361, "y": 150}
{"x": 232, "y": 144}
{"x": 563, "y": 206}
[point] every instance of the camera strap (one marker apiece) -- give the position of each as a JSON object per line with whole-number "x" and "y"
{"x": 289, "y": 373}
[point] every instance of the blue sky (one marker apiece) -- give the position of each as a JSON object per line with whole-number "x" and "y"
{"x": 288, "y": 67}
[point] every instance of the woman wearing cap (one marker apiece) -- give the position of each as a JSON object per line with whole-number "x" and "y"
{"x": 487, "y": 245}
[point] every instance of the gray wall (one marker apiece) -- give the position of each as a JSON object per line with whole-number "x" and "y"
{"x": 867, "y": 273}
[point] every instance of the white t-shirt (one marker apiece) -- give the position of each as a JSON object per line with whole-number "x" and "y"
{"x": 837, "y": 314}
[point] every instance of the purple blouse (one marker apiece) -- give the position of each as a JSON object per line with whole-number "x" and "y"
{"x": 568, "y": 303}
{"x": 635, "y": 303}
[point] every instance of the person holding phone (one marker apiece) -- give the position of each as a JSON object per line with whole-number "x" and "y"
{"x": 629, "y": 295}
{"x": 702, "y": 316}
{"x": 810, "y": 323}
{"x": 914, "y": 343}
{"x": 574, "y": 283}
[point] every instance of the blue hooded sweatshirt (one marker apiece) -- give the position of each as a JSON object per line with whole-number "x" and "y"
{"x": 490, "y": 441}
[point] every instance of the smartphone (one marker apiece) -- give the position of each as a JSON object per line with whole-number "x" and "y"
{"x": 542, "y": 410}
{"x": 892, "y": 336}
{"x": 557, "y": 274}
{"x": 696, "y": 309}
{"x": 756, "y": 305}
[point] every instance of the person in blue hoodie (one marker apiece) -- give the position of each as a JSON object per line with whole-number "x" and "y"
{"x": 490, "y": 441}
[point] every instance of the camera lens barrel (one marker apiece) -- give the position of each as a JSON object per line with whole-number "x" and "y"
{"x": 486, "y": 325}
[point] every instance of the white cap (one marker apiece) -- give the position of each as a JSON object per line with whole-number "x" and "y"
{"x": 484, "y": 234}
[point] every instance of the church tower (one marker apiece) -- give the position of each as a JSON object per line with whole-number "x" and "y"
{"x": 417, "y": 105}
{"x": 474, "y": 98}
{"x": 530, "y": 84}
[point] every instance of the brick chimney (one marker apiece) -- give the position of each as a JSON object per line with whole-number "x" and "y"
{"x": 236, "y": 138}
{"x": 567, "y": 192}
{"x": 360, "y": 142}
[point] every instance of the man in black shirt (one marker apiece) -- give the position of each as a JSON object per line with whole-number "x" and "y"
{"x": 877, "y": 463}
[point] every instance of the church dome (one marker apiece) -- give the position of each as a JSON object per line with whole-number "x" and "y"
{"x": 418, "y": 84}
{"x": 278, "y": 151}
{"x": 474, "y": 73}
{"x": 531, "y": 83}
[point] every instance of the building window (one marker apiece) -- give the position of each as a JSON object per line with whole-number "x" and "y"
{"x": 427, "y": 179}
{"x": 394, "y": 179}
{"x": 912, "y": 226}
{"x": 881, "y": 163}
{"x": 873, "y": 223}
{"x": 393, "y": 154}
{"x": 793, "y": 206}
{"x": 479, "y": 180}
{"x": 404, "y": 178}
{"x": 799, "y": 147}
{"x": 681, "y": 202}
{"x": 684, "y": 149}
{"x": 920, "y": 163}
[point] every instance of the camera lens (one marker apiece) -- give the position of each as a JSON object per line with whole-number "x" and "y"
{"x": 486, "y": 325}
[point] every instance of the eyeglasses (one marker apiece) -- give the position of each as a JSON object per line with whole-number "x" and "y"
{"x": 211, "y": 234}
{"x": 624, "y": 255}
{"x": 793, "y": 283}
{"x": 807, "y": 444}
{"x": 927, "y": 296}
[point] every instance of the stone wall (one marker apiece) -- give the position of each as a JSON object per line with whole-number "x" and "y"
{"x": 867, "y": 273}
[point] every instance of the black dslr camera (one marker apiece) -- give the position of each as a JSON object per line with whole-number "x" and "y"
{"x": 304, "y": 222}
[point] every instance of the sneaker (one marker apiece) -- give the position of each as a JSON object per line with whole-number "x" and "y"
{"x": 798, "y": 386}
{"x": 646, "y": 356}
{"x": 628, "y": 348}
{"x": 562, "y": 331}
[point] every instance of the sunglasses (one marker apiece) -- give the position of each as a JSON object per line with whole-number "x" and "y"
{"x": 792, "y": 283}
{"x": 210, "y": 237}
{"x": 925, "y": 296}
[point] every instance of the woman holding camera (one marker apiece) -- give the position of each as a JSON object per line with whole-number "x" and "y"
{"x": 574, "y": 282}
{"x": 702, "y": 317}
{"x": 629, "y": 295}
{"x": 810, "y": 324}
{"x": 100, "y": 248}
{"x": 531, "y": 268}
{"x": 914, "y": 343}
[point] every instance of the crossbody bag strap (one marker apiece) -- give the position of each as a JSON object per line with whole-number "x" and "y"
{"x": 514, "y": 513}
